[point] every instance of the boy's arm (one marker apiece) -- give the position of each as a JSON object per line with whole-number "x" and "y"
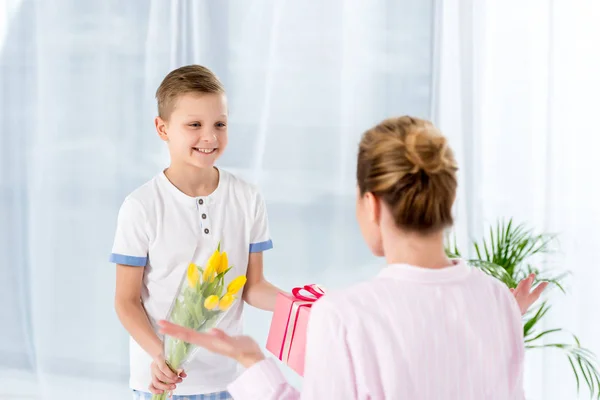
{"x": 258, "y": 292}
{"x": 129, "y": 308}
{"x": 130, "y": 254}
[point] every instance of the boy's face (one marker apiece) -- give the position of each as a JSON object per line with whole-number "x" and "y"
{"x": 196, "y": 131}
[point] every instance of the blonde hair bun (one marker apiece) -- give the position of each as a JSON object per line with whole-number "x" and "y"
{"x": 428, "y": 150}
{"x": 408, "y": 164}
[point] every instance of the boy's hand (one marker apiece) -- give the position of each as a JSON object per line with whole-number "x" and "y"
{"x": 163, "y": 378}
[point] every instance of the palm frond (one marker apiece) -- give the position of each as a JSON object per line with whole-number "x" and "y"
{"x": 540, "y": 335}
{"x": 451, "y": 247}
{"x": 509, "y": 245}
{"x": 494, "y": 270}
{"x": 583, "y": 362}
{"x": 531, "y": 322}
{"x": 556, "y": 280}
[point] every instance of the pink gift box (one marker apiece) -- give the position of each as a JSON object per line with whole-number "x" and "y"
{"x": 287, "y": 335}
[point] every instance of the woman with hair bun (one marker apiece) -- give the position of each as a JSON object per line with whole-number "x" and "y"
{"x": 426, "y": 327}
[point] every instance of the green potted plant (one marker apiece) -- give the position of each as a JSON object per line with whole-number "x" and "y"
{"x": 508, "y": 254}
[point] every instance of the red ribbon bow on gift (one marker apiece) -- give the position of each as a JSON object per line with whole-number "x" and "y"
{"x": 315, "y": 290}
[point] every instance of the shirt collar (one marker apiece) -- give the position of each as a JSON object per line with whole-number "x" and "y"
{"x": 194, "y": 202}
{"x": 459, "y": 270}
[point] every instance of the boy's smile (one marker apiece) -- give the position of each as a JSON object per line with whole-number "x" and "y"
{"x": 204, "y": 151}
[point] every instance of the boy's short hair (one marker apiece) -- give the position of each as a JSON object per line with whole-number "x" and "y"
{"x": 188, "y": 79}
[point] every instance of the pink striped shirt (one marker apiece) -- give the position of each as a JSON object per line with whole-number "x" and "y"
{"x": 410, "y": 333}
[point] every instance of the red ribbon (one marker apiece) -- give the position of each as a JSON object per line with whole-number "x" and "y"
{"x": 313, "y": 289}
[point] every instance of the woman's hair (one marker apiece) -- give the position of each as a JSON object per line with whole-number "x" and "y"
{"x": 407, "y": 163}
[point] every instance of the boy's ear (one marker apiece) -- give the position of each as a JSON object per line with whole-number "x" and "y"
{"x": 161, "y": 128}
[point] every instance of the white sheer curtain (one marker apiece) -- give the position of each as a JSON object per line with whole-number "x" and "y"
{"x": 76, "y": 107}
{"x": 517, "y": 88}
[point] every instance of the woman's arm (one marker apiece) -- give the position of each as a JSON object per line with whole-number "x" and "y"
{"x": 326, "y": 346}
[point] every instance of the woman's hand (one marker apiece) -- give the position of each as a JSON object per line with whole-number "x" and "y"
{"x": 243, "y": 349}
{"x": 525, "y": 296}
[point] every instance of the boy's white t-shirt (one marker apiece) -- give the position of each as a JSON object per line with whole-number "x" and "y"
{"x": 162, "y": 229}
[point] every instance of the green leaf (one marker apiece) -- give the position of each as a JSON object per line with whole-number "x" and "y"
{"x": 210, "y": 289}
{"x": 451, "y": 247}
{"x": 210, "y": 318}
{"x": 542, "y": 334}
{"x": 486, "y": 258}
{"x": 585, "y": 375}
{"x": 583, "y": 362}
{"x": 574, "y": 372}
{"x": 509, "y": 246}
{"x": 199, "y": 313}
{"x": 530, "y": 324}
{"x": 179, "y": 315}
{"x": 174, "y": 316}
{"x": 554, "y": 280}
{"x": 494, "y": 270}
{"x": 179, "y": 354}
{"x": 222, "y": 274}
{"x": 190, "y": 299}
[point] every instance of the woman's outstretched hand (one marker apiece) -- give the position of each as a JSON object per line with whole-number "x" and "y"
{"x": 243, "y": 349}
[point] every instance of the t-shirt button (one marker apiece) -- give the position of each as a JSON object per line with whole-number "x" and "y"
{"x": 200, "y": 201}
{"x": 203, "y": 216}
{"x": 206, "y": 231}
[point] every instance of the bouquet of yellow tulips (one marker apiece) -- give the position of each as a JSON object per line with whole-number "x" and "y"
{"x": 200, "y": 302}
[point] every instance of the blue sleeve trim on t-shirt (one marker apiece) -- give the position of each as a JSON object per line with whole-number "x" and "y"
{"x": 262, "y": 246}
{"x": 128, "y": 260}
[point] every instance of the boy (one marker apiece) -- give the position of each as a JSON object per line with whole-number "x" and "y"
{"x": 180, "y": 216}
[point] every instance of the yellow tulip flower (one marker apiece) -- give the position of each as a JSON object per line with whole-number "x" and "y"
{"x": 211, "y": 302}
{"x": 224, "y": 264}
{"x": 209, "y": 274}
{"x": 236, "y": 284}
{"x": 226, "y": 302}
{"x": 211, "y": 266}
{"x": 193, "y": 275}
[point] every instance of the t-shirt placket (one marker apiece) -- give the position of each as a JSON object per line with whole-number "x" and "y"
{"x": 204, "y": 217}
